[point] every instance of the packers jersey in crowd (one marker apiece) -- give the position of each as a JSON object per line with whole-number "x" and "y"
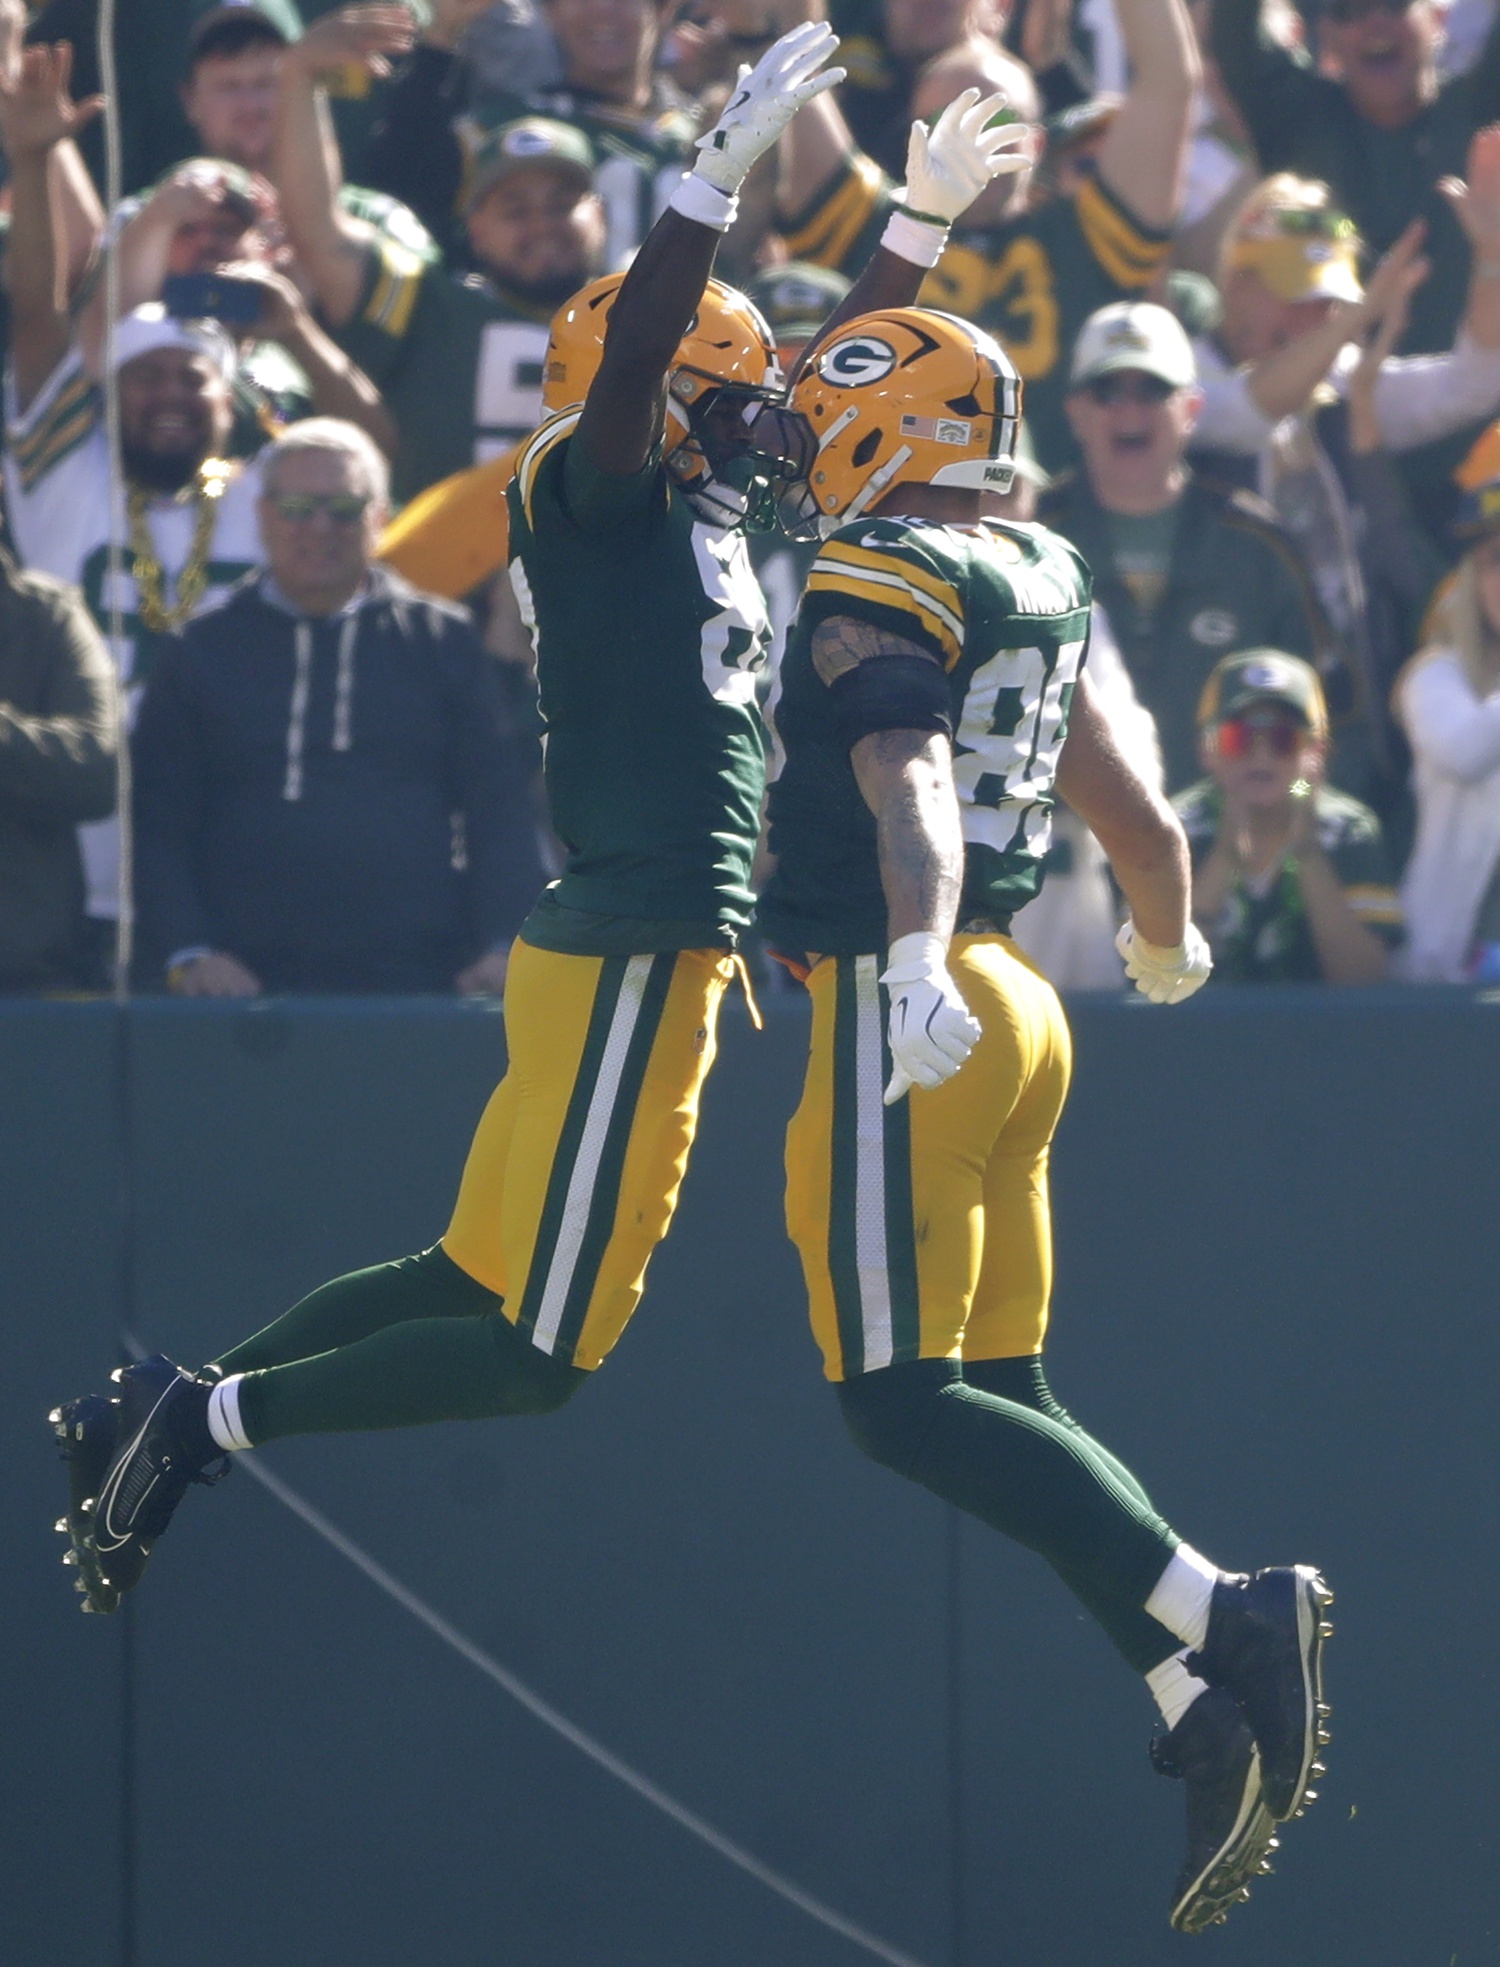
{"x": 1005, "y": 610}
{"x": 459, "y": 364}
{"x": 1031, "y": 282}
{"x": 650, "y": 633}
{"x": 639, "y": 155}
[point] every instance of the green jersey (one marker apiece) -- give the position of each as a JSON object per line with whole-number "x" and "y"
{"x": 639, "y": 155}
{"x": 650, "y": 632}
{"x": 459, "y": 365}
{"x": 1005, "y": 610}
{"x": 1031, "y": 282}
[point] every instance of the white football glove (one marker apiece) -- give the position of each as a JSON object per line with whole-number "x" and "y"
{"x": 1165, "y": 976}
{"x": 765, "y": 100}
{"x": 949, "y": 165}
{"x": 930, "y": 1032}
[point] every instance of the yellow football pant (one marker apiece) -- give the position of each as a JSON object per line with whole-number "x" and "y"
{"x": 574, "y": 1172}
{"x": 924, "y": 1227}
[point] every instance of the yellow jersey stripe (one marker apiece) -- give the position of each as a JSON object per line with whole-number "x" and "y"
{"x": 939, "y": 594}
{"x": 394, "y": 294}
{"x": 61, "y": 413}
{"x": 530, "y": 460}
{"x": 826, "y": 235}
{"x": 895, "y": 596}
{"x": 1128, "y": 255}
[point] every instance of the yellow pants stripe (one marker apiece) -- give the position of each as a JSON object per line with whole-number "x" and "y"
{"x": 575, "y": 1169}
{"x": 924, "y": 1228}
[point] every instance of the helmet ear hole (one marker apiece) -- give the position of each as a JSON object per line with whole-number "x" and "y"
{"x": 866, "y": 448}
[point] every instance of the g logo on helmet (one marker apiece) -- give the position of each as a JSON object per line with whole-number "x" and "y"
{"x": 856, "y": 361}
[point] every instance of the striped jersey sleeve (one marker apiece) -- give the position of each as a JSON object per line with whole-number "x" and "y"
{"x": 871, "y": 573}
{"x": 63, "y": 415}
{"x": 841, "y": 226}
{"x": 393, "y": 283}
{"x": 1130, "y": 253}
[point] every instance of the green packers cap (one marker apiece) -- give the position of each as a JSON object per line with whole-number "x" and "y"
{"x": 519, "y": 146}
{"x": 797, "y": 298}
{"x": 1256, "y": 676}
{"x": 1133, "y": 335}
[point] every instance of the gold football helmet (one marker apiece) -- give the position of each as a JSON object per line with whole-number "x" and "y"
{"x": 906, "y": 396}
{"x": 726, "y": 374}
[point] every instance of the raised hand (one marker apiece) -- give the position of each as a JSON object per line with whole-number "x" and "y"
{"x": 1475, "y": 202}
{"x": 949, "y": 165}
{"x": 37, "y": 111}
{"x": 360, "y": 37}
{"x": 764, "y": 101}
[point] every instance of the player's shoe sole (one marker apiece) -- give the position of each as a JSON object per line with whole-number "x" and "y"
{"x": 1230, "y": 1832}
{"x": 1266, "y": 1634}
{"x": 85, "y": 1432}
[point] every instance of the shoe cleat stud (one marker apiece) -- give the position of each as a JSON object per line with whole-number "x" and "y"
{"x": 86, "y": 1507}
{"x": 1324, "y": 1738}
{"x": 1309, "y": 1796}
{"x": 61, "y": 1526}
{"x": 118, "y": 1375}
{"x": 70, "y": 1557}
{"x": 1324, "y": 1711}
{"x": 1265, "y": 1868}
{"x": 55, "y": 1417}
{"x": 1325, "y": 1629}
{"x": 1317, "y": 1769}
{"x": 79, "y": 1585}
{"x": 88, "y": 1605}
{"x": 1274, "y": 1845}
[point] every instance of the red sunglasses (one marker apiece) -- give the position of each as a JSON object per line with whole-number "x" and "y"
{"x": 1236, "y": 736}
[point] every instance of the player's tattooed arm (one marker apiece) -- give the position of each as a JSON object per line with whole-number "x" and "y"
{"x": 907, "y": 781}
{"x": 842, "y": 642}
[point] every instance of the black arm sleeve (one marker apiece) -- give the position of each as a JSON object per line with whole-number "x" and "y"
{"x": 891, "y": 693}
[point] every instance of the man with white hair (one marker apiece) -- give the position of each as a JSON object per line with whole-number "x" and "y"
{"x": 327, "y": 793}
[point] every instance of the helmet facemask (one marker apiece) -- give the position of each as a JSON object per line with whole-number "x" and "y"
{"x": 744, "y": 452}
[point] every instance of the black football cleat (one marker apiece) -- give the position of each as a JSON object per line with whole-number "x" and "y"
{"x": 1265, "y": 1647}
{"x": 85, "y": 1434}
{"x": 162, "y": 1446}
{"x": 1230, "y": 1832}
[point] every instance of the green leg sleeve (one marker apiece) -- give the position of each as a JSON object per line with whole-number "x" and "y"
{"x": 1025, "y": 1380}
{"x": 432, "y": 1369}
{"x": 427, "y": 1286}
{"x": 1035, "y": 1481}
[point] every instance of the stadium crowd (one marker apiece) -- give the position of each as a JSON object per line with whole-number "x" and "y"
{"x": 1250, "y": 279}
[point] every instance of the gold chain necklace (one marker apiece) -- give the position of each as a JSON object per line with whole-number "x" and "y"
{"x": 150, "y": 576}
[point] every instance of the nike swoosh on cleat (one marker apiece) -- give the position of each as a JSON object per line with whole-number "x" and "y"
{"x": 112, "y": 1486}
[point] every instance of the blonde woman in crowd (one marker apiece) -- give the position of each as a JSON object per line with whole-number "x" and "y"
{"x": 1448, "y": 699}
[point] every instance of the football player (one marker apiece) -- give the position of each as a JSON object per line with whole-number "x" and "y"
{"x": 626, "y": 517}
{"x": 933, "y": 700}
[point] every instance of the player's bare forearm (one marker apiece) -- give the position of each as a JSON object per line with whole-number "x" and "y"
{"x": 622, "y": 416}
{"x": 1131, "y": 820}
{"x": 1348, "y": 952}
{"x": 907, "y": 781}
{"x": 887, "y": 281}
{"x": 1142, "y": 157}
{"x": 339, "y": 387}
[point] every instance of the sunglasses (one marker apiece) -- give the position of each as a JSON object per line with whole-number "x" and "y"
{"x": 1128, "y": 386}
{"x": 343, "y": 508}
{"x": 1322, "y": 224}
{"x": 1235, "y": 736}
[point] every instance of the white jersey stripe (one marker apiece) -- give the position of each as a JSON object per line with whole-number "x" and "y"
{"x": 575, "y": 1215}
{"x": 869, "y": 1168}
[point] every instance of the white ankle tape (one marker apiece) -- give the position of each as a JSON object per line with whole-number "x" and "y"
{"x": 224, "y": 1422}
{"x": 1173, "y": 1688}
{"x": 1183, "y": 1593}
{"x": 696, "y": 199}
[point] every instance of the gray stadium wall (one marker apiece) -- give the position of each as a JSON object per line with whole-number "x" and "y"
{"x": 1276, "y": 1297}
